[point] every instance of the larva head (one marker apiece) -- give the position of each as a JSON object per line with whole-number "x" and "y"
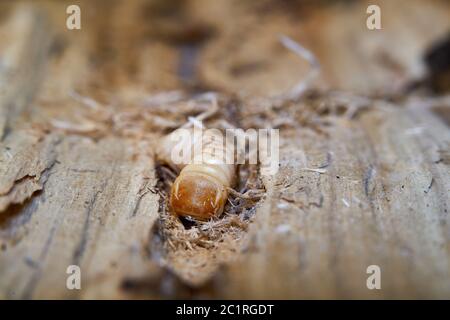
{"x": 198, "y": 195}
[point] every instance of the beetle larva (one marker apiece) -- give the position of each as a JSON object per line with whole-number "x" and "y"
{"x": 201, "y": 188}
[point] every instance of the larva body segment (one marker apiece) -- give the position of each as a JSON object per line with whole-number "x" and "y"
{"x": 201, "y": 188}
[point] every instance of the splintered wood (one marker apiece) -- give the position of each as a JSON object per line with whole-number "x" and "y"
{"x": 363, "y": 178}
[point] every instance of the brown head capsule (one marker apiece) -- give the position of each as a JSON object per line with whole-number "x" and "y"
{"x": 201, "y": 189}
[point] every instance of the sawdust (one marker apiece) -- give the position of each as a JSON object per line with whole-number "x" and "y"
{"x": 195, "y": 249}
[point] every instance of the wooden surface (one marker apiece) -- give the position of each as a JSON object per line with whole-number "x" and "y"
{"x": 78, "y": 189}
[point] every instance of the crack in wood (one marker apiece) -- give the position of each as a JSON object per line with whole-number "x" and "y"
{"x": 368, "y": 175}
{"x": 80, "y": 248}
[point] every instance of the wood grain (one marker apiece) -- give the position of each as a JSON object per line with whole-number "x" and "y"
{"x": 91, "y": 199}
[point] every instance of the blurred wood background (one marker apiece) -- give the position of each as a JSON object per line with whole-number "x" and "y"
{"x": 66, "y": 198}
